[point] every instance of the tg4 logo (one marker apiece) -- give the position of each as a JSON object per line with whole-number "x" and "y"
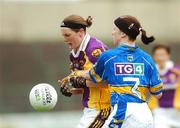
{"x": 129, "y": 68}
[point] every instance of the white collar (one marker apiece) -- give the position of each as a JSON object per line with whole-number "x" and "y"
{"x": 131, "y": 45}
{"x": 82, "y": 46}
{"x": 169, "y": 65}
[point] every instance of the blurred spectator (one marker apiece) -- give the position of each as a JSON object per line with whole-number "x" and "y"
{"x": 166, "y": 110}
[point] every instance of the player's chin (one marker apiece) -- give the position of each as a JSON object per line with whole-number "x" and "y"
{"x": 70, "y": 46}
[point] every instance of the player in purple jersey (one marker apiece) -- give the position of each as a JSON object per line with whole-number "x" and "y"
{"x": 166, "y": 113}
{"x": 84, "y": 53}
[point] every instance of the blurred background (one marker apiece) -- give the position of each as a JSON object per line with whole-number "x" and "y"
{"x": 32, "y": 50}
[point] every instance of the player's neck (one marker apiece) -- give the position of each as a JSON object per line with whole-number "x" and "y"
{"x": 80, "y": 42}
{"x": 76, "y": 49}
{"x": 161, "y": 66}
{"x": 128, "y": 43}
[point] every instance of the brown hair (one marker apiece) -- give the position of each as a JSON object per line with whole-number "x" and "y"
{"x": 163, "y": 46}
{"x": 76, "y": 22}
{"x": 132, "y": 27}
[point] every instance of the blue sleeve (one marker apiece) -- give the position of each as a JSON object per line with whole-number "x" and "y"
{"x": 156, "y": 84}
{"x": 97, "y": 73}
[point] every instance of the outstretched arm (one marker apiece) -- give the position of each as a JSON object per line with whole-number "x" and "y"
{"x": 89, "y": 83}
{"x": 76, "y": 91}
{"x": 66, "y": 88}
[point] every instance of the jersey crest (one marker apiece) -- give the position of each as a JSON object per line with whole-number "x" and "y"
{"x": 95, "y": 53}
{"x": 130, "y": 58}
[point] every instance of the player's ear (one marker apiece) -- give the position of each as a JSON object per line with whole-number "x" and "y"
{"x": 122, "y": 34}
{"x": 81, "y": 32}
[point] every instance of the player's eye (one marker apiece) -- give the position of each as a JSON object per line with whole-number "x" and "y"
{"x": 67, "y": 35}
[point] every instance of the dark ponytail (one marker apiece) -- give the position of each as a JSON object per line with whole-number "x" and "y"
{"x": 132, "y": 27}
{"x": 146, "y": 40}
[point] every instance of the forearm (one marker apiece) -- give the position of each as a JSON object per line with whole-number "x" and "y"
{"x": 76, "y": 91}
{"x": 84, "y": 73}
{"x": 89, "y": 83}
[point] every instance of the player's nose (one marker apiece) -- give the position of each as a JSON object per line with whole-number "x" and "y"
{"x": 112, "y": 33}
{"x": 65, "y": 40}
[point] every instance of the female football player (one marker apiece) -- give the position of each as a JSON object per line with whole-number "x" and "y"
{"x": 167, "y": 114}
{"x": 131, "y": 74}
{"x": 84, "y": 53}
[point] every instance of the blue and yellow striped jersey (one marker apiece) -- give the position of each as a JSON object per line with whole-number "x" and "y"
{"x": 129, "y": 71}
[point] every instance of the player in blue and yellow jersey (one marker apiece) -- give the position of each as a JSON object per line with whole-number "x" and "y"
{"x": 131, "y": 74}
{"x": 85, "y": 51}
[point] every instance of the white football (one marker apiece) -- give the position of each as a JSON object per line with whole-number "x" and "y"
{"x": 43, "y": 97}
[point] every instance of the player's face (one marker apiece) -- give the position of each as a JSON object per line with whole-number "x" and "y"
{"x": 161, "y": 56}
{"x": 116, "y": 34}
{"x": 71, "y": 38}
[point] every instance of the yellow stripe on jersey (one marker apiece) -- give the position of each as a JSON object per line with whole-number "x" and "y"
{"x": 128, "y": 90}
{"x": 177, "y": 96}
{"x": 156, "y": 88}
{"x": 96, "y": 77}
{"x": 118, "y": 121}
{"x": 88, "y": 64}
{"x": 100, "y": 118}
{"x": 99, "y": 97}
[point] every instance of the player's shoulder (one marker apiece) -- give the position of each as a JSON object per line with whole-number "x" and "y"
{"x": 145, "y": 55}
{"x": 112, "y": 51}
{"x": 95, "y": 43}
{"x": 96, "y": 46}
{"x": 146, "y": 59}
{"x": 109, "y": 53}
{"x": 94, "y": 49}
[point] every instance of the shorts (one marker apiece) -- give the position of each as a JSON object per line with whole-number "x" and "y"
{"x": 93, "y": 119}
{"x": 135, "y": 115}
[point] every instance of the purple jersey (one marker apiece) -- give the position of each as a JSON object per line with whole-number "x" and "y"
{"x": 170, "y": 81}
{"x": 84, "y": 59}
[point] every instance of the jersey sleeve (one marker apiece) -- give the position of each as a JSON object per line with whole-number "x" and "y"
{"x": 95, "y": 52}
{"x": 156, "y": 84}
{"x": 97, "y": 72}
